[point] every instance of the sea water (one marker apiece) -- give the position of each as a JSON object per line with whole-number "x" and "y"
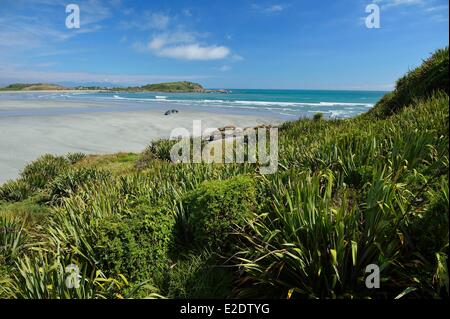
{"x": 282, "y": 104}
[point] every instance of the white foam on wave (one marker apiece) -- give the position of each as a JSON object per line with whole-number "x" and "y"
{"x": 249, "y": 103}
{"x": 287, "y": 114}
{"x": 302, "y": 104}
{"x": 117, "y": 97}
{"x": 273, "y": 106}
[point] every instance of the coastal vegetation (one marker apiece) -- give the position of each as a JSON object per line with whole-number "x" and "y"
{"x": 347, "y": 194}
{"x": 33, "y": 87}
{"x": 168, "y": 87}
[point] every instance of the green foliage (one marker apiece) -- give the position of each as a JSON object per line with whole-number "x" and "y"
{"x": 15, "y": 191}
{"x": 420, "y": 83}
{"x": 217, "y": 208}
{"x": 160, "y": 149}
{"x": 32, "y": 210}
{"x": 41, "y": 172}
{"x": 70, "y": 181}
{"x": 199, "y": 276}
{"x": 45, "y": 276}
{"x": 12, "y": 238}
{"x": 318, "y": 116}
{"x": 136, "y": 246}
{"x": 310, "y": 245}
{"x": 174, "y": 87}
{"x": 74, "y": 158}
{"x": 33, "y": 86}
{"x": 429, "y": 231}
{"x": 15, "y": 87}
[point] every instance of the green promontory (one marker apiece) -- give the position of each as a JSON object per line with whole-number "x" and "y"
{"x": 419, "y": 83}
{"x": 170, "y": 87}
{"x": 33, "y": 87}
{"x": 174, "y": 87}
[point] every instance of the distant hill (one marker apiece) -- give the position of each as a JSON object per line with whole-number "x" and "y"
{"x": 174, "y": 87}
{"x": 32, "y": 87}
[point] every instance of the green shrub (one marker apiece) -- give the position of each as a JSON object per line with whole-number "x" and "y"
{"x": 136, "y": 246}
{"x": 74, "y": 158}
{"x": 359, "y": 176}
{"x": 216, "y": 207}
{"x": 12, "y": 237}
{"x": 199, "y": 275}
{"x": 70, "y": 181}
{"x": 45, "y": 275}
{"x": 318, "y": 116}
{"x": 429, "y": 231}
{"x": 161, "y": 149}
{"x": 310, "y": 246}
{"x": 41, "y": 172}
{"x": 15, "y": 191}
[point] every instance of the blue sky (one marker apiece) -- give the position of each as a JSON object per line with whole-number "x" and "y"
{"x": 220, "y": 44}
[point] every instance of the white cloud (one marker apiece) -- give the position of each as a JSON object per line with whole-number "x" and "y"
{"x": 172, "y": 40}
{"x": 195, "y": 52}
{"x": 183, "y": 46}
{"x": 273, "y": 8}
{"x": 165, "y": 39}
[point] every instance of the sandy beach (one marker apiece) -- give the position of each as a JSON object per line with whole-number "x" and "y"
{"x": 24, "y": 138}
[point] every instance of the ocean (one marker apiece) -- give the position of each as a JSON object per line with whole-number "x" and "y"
{"x": 281, "y": 104}
{"x": 35, "y": 123}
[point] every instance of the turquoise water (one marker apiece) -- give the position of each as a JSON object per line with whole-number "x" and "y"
{"x": 285, "y": 104}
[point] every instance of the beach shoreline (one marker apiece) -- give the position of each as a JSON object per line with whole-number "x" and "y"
{"x": 25, "y": 138}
